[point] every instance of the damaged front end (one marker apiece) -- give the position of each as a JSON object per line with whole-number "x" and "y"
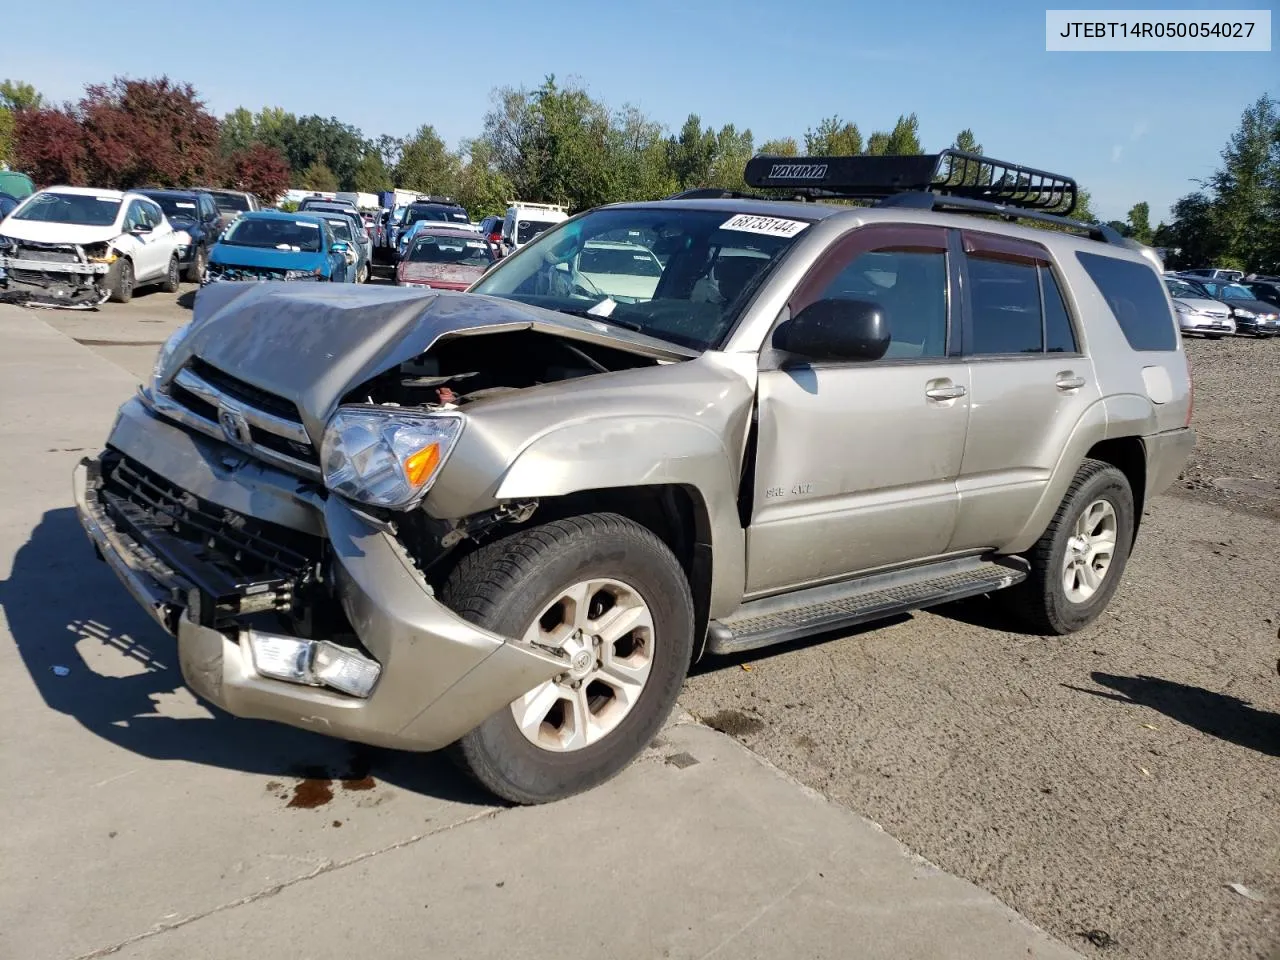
{"x": 68, "y": 275}
{"x": 288, "y": 493}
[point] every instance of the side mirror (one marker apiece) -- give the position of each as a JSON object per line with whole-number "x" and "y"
{"x": 835, "y": 330}
{"x": 340, "y": 246}
{"x": 139, "y": 229}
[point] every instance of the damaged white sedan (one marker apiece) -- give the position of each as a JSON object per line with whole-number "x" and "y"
{"x": 78, "y": 246}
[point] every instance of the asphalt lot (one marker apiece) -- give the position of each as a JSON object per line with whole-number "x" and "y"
{"x": 1109, "y": 786}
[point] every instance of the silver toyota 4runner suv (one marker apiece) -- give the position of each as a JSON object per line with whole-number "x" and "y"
{"x": 507, "y": 521}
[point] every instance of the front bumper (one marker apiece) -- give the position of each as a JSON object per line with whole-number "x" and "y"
{"x": 441, "y": 676}
{"x": 1258, "y": 325}
{"x": 58, "y": 283}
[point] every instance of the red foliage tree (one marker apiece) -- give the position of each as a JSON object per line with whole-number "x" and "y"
{"x": 260, "y": 169}
{"x": 148, "y": 132}
{"x": 48, "y": 145}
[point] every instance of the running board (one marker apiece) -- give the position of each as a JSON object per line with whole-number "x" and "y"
{"x": 761, "y": 623}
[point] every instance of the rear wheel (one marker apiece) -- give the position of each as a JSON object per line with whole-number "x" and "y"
{"x": 121, "y": 281}
{"x": 1077, "y": 564}
{"x": 613, "y": 599}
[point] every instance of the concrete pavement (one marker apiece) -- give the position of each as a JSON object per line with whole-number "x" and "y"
{"x": 141, "y": 822}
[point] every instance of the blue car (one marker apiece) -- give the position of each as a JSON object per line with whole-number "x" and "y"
{"x": 269, "y": 245}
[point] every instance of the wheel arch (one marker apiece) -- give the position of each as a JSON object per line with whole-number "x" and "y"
{"x": 675, "y": 513}
{"x": 1129, "y": 456}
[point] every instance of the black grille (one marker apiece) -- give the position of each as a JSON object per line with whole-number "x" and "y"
{"x": 244, "y": 550}
{"x": 244, "y": 392}
{"x": 233, "y": 273}
{"x": 283, "y": 445}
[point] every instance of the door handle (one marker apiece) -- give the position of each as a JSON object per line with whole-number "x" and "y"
{"x": 1069, "y": 381}
{"x": 944, "y": 390}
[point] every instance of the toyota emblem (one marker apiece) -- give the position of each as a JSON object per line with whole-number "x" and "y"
{"x": 234, "y": 426}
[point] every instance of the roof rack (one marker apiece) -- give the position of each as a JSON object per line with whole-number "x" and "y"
{"x": 952, "y": 173}
{"x": 713, "y": 193}
{"x": 948, "y": 180}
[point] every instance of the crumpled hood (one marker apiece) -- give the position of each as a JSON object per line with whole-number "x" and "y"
{"x": 42, "y": 232}
{"x": 314, "y": 342}
{"x": 448, "y": 272}
{"x": 265, "y": 257}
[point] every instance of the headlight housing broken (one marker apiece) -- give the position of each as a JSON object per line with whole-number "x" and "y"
{"x": 386, "y": 457}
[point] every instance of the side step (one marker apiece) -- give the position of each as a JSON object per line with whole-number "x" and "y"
{"x": 760, "y": 623}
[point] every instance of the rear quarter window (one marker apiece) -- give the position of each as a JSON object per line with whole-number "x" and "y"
{"x": 1137, "y": 299}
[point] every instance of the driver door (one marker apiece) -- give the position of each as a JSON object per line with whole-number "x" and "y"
{"x": 149, "y": 249}
{"x": 856, "y": 462}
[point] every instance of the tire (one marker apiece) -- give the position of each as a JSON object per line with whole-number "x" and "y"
{"x": 121, "y": 281}
{"x": 512, "y": 587}
{"x": 1042, "y": 601}
{"x": 195, "y": 272}
{"x": 362, "y": 276}
{"x": 172, "y": 281}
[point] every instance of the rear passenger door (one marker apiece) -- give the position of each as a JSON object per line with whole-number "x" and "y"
{"x": 1029, "y": 384}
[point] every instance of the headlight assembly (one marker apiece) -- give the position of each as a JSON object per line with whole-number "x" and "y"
{"x": 386, "y": 457}
{"x": 166, "y": 354}
{"x": 304, "y": 274}
{"x": 1245, "y": 314}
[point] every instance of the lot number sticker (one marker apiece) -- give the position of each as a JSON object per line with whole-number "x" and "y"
{"x": 769, "y": 226}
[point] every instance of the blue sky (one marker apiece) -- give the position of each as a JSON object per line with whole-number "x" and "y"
{"x": 1128, "y": 126}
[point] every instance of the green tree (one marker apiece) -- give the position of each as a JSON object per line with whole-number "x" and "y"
{"x": 426, "y": 165}
{"x": 1139, "y": 223}
{"x": 371, "y": 174}
{"x": 833, "y": 138}
{"x": 482, "y": 190}
{"x": 14, "y": 96}
{"x": 1246, "y": 188}
{"x": 966, "y": 141}
{"x": 318, "y": 176}
{"x": 905, "y": 136}
{"x": 782, "y": 147}
{"x": 237, "y": 130}
{"x": 878, "y": 144}
{"x": 733, "y": 148}
{"x": 690, "y": 153}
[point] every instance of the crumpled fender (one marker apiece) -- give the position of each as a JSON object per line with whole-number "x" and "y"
{"x": 635, "y": 451}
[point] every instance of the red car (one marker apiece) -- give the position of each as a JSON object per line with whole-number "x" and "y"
{"x": 445, "y": 259}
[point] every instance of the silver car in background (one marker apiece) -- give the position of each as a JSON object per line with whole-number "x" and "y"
{"x": 1198, "y": 314}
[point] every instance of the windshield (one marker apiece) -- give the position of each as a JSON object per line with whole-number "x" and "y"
{"x": 1179, "y": 289}
{"x": 452, "y": 250}
{"x": 231, "y": 202}
{"x": 77, "y": 208}
{"x": 441, "y": 214}
{"x": 176, "y": 206}
{"x": 297, "y": 236}
{"x": 1233, "y": 291}
{"x": 684, "y": 275}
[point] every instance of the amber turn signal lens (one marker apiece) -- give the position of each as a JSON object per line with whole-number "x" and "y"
{"x": 419, "y": 466}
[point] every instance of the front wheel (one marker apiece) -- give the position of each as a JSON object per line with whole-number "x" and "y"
{"x": 120, "y": 281}
{"x": 1077, "y": 564}
{"x": 614, "y": 600}
{"x": 195, "y": 272}
{"x": 172, "y": 277}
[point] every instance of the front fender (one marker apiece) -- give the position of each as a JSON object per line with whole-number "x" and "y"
{"x": 634, "y": 451}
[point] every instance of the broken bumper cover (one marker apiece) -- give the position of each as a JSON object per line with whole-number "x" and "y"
{"x": 65, "y": 283}
{"x": 440, "y": 676}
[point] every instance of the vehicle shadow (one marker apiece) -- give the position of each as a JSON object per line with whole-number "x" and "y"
{"x": 987, "y": 611}
{"x": 187, "y": 299}
{"x": 1217, "y": 714}
{"x": 65, "y": 608}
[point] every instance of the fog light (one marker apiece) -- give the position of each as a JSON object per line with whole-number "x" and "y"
{"x": 284, "y": 658}
{"x": 344, "y": 669}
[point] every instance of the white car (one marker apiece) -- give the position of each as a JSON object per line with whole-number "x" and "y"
{"x": 77, "y": 246}
{"x": 1210, "y": 318}
{"x": 627, "y": 272}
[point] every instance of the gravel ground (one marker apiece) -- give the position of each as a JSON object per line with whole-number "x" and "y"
{"x": 1237, "y": 457}
{"x": 1108, "y": 785}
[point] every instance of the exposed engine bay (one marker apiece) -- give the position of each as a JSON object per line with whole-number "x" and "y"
{"x": 466, "y": 369}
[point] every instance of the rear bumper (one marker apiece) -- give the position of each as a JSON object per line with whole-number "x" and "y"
{"x": 440, "y": 676}
{"x": 1167, "y": 454}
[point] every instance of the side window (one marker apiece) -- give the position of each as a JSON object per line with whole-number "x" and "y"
{"x": 1059, "y": 337}
{"x": 154, "y": 215}
{"x": 1005, "y": 299}
{"x": 134, "y": 217}
{"x": 909, "y": 284}
{"x": 1137, "y": 299}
